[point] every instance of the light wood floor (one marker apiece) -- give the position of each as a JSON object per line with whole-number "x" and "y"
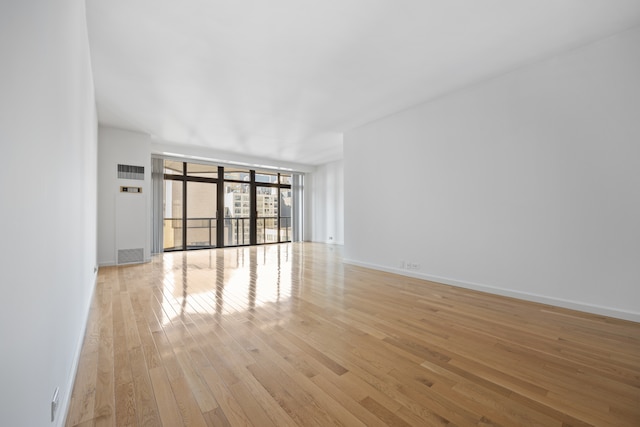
{"x": 286, "y": 335}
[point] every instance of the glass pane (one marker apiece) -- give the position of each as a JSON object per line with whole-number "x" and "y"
{"x": 266, "y": 177}
{"x": 285, "y": 179}
{"x": 205, "y": 171}
{"x": 201, "y": 214}
{"x": 236, "y": 231}
{"x": 267, "y": 208}
{"x": 236, "y": 213}
{"x": 285, "y": 214}
{"x": 201, "y": 233}
{"x": 285, "y": 229}
{"x": 285, "y": 202}
{"x": 267, "y": 201}
{"x": 267, "y": 230}
{"x": 172, "y": 167}
{"x": 237, "y": 174}
{"x": 172, "y": 208}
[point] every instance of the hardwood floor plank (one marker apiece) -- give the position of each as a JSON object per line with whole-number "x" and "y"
{"x": 316, "y": 354}
{"x": 216, "y": 418}
{"x": 197, "y": 385}
{"x": 152, "y": 358}
{"x": 105, "y": 390}
{"x": 187, "y": 404}
{"x": 288, "y": 399}
{"x": 121, "y": 365}
{"x": 252, "y": 408}
{"x": 360, "y": 412}
{"x": 272, "y": 408}
{"x": 82, "y": 403}
{"x": 125, "y": 405}
{"x": 167, "y": 405}
{"x": 383, "y": 413}
{"x": 146, "y": 408}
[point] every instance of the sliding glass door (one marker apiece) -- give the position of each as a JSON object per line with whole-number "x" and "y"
{"x": 267, "y": 214}
{"x": 201, "y": 221}
{"x": 190, "y": 206}
{"x": 237, "y": 214}
{"x": 285, "y": 214}
{"x": 173, "y": 211}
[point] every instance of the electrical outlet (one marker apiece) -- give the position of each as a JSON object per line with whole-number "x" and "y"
{"x": 408, "y": 265}
{"x": 54, "y": 403}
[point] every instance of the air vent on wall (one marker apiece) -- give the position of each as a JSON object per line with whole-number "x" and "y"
{"x": 130, "y": 172}
{"x": 129, "y": 256}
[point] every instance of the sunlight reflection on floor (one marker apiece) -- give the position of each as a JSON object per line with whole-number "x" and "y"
{"x": 224, "y": 281}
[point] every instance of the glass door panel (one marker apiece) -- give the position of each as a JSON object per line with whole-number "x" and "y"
{"x": 237, "y": 213}
{"x": 172, "y": 229}
{"x": 267, "y": 219}
{"x": 201, "y": 214}
{"x": 285, "y": 214}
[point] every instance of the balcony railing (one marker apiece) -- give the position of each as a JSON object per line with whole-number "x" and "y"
{"x": 267, "y": 228}
{"x": 236, "y": 231}
{"x": 202, "y": 232}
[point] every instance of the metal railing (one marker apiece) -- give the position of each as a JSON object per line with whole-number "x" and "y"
{"x": 202, "y": 232}
{"x": 267, "y": 228}
{"x": 236, "y": 231}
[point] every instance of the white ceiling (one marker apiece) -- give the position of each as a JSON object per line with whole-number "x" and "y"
{"x": 283, "y": 79}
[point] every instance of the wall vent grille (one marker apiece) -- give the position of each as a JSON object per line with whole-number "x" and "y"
{"x": 130, "y": 172}
{"x": 130, "y": 256}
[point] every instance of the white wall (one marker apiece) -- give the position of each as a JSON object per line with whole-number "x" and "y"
{"x": 48, "y": 212}
{"x": 124, "y": 220}
{"x": 324, "y": 200}
{"x": 525, "y": 185}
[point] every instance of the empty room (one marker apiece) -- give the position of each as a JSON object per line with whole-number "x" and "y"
{"x": 314, "y": 213}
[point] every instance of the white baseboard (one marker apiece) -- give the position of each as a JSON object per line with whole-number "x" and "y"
{"x": 113, "y": 263}
{"x": 65, "y": 404}
{"x": 573, "y": 305}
